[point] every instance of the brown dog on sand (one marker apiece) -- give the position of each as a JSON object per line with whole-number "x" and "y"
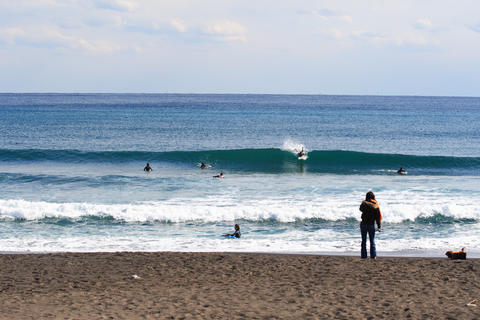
{"x": 457, "y": 255}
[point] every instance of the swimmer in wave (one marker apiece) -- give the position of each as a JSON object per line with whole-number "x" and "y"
{"x": 236, "y": 234}
{"x": 147, "y": 168}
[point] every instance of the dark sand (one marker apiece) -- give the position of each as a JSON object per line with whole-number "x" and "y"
{"x": 235, "y": 286}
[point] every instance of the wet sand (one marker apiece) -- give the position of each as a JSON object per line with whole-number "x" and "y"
{"x": 235, "y": 286}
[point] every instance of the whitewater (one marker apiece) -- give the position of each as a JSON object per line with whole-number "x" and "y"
{"x": 72, "y": 179}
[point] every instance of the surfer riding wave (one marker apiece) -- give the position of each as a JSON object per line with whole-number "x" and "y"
{"x": 296, "y": 148}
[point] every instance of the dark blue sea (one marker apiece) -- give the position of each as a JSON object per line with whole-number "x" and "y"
{"x": 72, "y": 179}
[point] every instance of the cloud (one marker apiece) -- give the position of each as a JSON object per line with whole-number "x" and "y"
{"x": 223, "y": 30}
{"x": 422, "y": 24}
{"x": 8, "y": 35}
{"x": 41, "y": 37}
{"x": 361, "y": 34}
{"x": 327, "y": 14}
{"x": 475, "y": 28}
{"x": 411, "y": 40}
{"x": 117, "y": 5}
{"x": 338, "y": 34}
{"x": 226, "y": 31}
{"x": 146, "y": 27}
{"x": 178, "y": 25}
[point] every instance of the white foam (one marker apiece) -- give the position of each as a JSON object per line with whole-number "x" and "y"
{"x": 293, "y": 146}
{"x": 395, "y": 209}
{"x": 286, "y": 243}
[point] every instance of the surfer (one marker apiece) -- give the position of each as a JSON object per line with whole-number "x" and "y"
{"x": 301, "y": 153}
{"x": 202, "y": 165}
{"x": 147, "y": 168}
{"x": 401, "y": 171}
{"x": 236, "y": 234}
{"x": 219, "y": 175}
{"x": 370, "y": 214}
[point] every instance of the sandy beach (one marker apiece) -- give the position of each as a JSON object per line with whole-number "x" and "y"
{"x": 235, "y": 286}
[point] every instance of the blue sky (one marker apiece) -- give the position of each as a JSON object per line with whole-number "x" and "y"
{"x": 421, "y": 47}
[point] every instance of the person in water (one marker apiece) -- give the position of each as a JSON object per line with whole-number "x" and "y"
{"x": 401, "y": 171}
{"x": 202, "y": 165}
{"x": 219, "y": 176}
{"x": 147, "y": 168}
{"x": 301, "y": 153}
{"x": 370, "y": 215}
{"x": 236, "y": 234}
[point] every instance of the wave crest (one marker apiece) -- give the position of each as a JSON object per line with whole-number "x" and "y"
{"x": 259, "y": 211}
{"x": 270, "y": 160}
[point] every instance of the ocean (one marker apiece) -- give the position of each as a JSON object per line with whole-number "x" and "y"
{"x": 72, "y": 179}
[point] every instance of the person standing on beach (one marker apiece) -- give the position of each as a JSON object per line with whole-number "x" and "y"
{"x": 370, "y": 214}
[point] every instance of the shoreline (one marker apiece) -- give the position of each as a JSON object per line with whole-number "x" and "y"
{"x": 177, "y": 285}
{"x": 381, "y": 254}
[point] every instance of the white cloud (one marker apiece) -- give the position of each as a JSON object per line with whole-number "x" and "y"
{"x": 327, "y": 14}
{"x": 475, "y": 28}
{"x": 223, "y": 30}
{"x": 362, "y": 34}
{"x": 335, "y": 33}
{"x": 200, "y": 32}
{"x": 409, "y": 39}
{"x": 34, "y": 3}
{"x": 346, "y": 18}
{"x": 43, "y": 37}
{"x": 8, "y": 35}
{"x": 154, "y": 28}
{"x": 117, "y": 5}
{"x": 339, "y": 34}
{"x": 227, "y": 30}
{"x": 422, "y": 24}
{"x": 178, "y": 25}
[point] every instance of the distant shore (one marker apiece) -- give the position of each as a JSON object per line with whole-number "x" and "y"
{"x": 235, "y": 286}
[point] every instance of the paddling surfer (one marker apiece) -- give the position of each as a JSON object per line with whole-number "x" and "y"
{"x": 147, "y": 168}
{"x": 236, "y": 234}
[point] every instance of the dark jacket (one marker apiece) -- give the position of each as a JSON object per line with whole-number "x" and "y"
{"x": 370, "y": 213}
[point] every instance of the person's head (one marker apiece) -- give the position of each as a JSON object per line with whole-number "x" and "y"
{"x": 370, "y": 196}
{"x": 221, "y": 173}
{"x": 237, "y": 227}
{"x": 148, "y": 164}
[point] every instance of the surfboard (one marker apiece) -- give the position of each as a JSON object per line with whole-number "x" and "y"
{"x": 229, "y": 236}
{"x": 304, "y": 157}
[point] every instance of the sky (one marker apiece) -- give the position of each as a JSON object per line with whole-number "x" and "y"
{"x": 366, "y": 47}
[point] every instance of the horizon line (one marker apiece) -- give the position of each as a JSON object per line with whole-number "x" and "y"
{"x": 231, "y": 93}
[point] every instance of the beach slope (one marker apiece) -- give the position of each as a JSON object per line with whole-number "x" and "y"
{"x": 235, "y": 286}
